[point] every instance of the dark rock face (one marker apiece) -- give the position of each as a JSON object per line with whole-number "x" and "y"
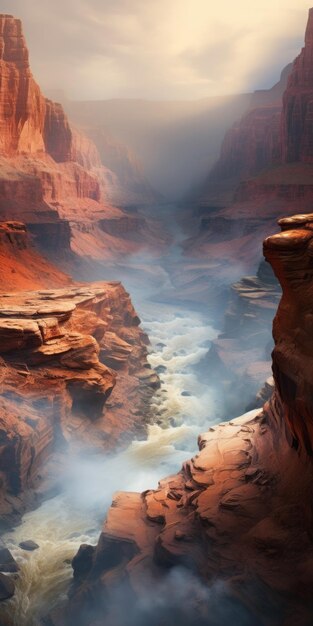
{"x": 7, "y": 562}
{"x": 51, "y": 175}
{"x": 297, "y": 117}
{"x": 29, "y": 545}
{"x": 7, "y": 587}
{"x": 83, "y": 561}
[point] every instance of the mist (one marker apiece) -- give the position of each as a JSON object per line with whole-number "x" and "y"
{"x": 176, "y": 142}
{"x": 179, "y": 597}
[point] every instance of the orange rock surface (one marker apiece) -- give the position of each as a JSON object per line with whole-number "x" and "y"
{"x": 63, "y": 353}
{"x": 51, "y": 175}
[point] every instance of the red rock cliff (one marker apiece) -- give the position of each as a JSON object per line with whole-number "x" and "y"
{"x": 29, "y": 123}
{"x": 51, "y": 176}
{"x": 63, "y": 352}
{"x": 290, "y": 254}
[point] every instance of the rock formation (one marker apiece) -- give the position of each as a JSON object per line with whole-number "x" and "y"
{"x": 264, "y": 171}
{"x": 250, "y": 145}
{"x": 240, "y": 510}
{"x": 125, "y": 183}
{"x": 51, "y": 176}
{"x": 297, "y": 134}
{"x": 63, "y": 354}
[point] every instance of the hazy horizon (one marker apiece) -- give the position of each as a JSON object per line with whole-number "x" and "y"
{"x": 172, "y": 50}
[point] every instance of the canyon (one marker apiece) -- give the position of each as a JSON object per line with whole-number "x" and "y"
{"x": 96, "y": 400}
{"x": 259, "y": 176}
{"x": 238, "y": 512}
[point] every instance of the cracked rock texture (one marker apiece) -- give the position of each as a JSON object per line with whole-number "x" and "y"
{"x": 71, "y": 363}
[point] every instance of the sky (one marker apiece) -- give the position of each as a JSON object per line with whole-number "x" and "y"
{"x": 159, "y": 49}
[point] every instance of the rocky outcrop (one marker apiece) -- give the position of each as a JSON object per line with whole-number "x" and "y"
{"x": 29, "y": 123}
{"x": 240, "y": 510}
{"x": 63, "y": 353}
{"x": 290, "y": 255}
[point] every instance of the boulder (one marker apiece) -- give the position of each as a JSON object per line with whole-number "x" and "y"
{"x": 29, "y": 545}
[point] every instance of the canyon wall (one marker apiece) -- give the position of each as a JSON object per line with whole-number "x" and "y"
{"x": 21, "y": 266}
{"x": 239, "y": 360}
{"x": 264, "y": 171}
{"x": 73, "y": 376}
{"x": 297, "y": 116}
{"x": 51, "y": 175}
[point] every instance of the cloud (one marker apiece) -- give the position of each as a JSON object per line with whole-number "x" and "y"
{"x": 166, "y": 49}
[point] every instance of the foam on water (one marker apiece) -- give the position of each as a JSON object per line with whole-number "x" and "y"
{"x": 180, "y": 341}
{"x": 183, "y": 405}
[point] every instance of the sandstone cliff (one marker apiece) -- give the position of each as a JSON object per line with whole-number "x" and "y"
{"x": 240, "y": 510}
{"x": 51, "y": 176}
{"x": 125, "y": 182}
{"x": 63, "y": 353}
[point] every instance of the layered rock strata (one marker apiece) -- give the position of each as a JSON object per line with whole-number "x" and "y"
{"x": 240, "y": 510}
{"x": 264, "y": 171}
{"x": 51, "y": 175}
{"x": 239, "y": 360}
{"x": 73, "y": 375}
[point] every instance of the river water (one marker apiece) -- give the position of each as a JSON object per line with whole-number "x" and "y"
{"x": 183, "y": 408}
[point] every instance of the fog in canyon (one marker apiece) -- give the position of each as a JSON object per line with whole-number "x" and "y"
{"x": 186, "y": 404}
{"x": 195, "y": 277}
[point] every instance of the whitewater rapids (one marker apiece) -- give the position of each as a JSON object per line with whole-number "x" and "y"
{"x": 182, "y": 408}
